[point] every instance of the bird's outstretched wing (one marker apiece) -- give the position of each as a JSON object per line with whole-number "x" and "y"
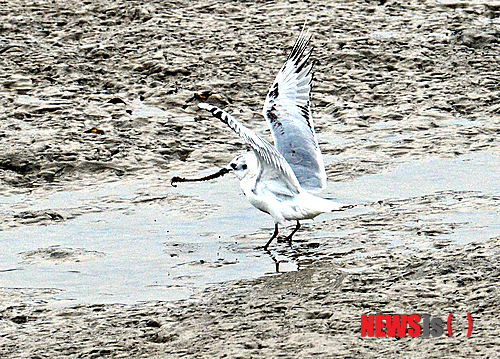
{"x": 273, "y": 166}
{"x": 288, "y": 113}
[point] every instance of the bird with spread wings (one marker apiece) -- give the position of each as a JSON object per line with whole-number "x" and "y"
{"x": 280, "y": 180}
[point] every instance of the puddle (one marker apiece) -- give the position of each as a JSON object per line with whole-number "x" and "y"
{"x": 140, "y": 109}
{"x": 474, "y": 172}
{"x": 140, "y": 239}
{"x": 136, "y": 240}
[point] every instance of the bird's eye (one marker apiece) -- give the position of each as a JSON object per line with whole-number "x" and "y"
{"x": 244, "y": 167}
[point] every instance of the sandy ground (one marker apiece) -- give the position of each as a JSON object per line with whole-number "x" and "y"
{"x": 95, "y": 92}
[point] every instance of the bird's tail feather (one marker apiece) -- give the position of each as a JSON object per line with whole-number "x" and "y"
{"x": 322, "y": 205}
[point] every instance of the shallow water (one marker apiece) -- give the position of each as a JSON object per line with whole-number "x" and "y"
{"x": 474, "y": 172}
{"x": 130, "y": 246}
{"x": 140, "y": 239}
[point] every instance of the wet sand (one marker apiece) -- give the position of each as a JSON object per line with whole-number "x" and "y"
{"x": 105, "y": 92}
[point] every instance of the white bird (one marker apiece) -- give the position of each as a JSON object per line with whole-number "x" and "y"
{"x": 279, "y": 180}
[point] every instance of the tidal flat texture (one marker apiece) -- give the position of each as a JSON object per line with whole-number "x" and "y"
{"x": 98, "y": 92}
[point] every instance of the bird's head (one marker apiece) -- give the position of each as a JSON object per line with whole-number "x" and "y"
{"x": 244, "y": 165}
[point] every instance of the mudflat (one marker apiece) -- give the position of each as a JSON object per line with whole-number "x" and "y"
{"x": 407, "y": 110}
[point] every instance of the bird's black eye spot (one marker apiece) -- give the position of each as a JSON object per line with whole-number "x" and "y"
{"x": 244, "y": 167}
{"x": 233, "y": 166}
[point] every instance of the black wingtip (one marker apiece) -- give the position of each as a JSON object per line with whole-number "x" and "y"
{"x": 298, "y": 50}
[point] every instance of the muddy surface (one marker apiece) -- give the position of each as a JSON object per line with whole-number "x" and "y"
{"x": 98, "y": 94}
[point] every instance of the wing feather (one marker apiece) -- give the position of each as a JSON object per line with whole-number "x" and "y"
{"x": 287, "y": 110}
{"x": 273, "y": 166}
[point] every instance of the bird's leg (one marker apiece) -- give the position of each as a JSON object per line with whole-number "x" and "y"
{"x": 276, "y": 262}
{"x": 275, "y": 234}
{"x": 289, "y": 238}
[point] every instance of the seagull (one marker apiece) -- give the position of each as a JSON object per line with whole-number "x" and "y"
{"x": 282, "y": 180}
